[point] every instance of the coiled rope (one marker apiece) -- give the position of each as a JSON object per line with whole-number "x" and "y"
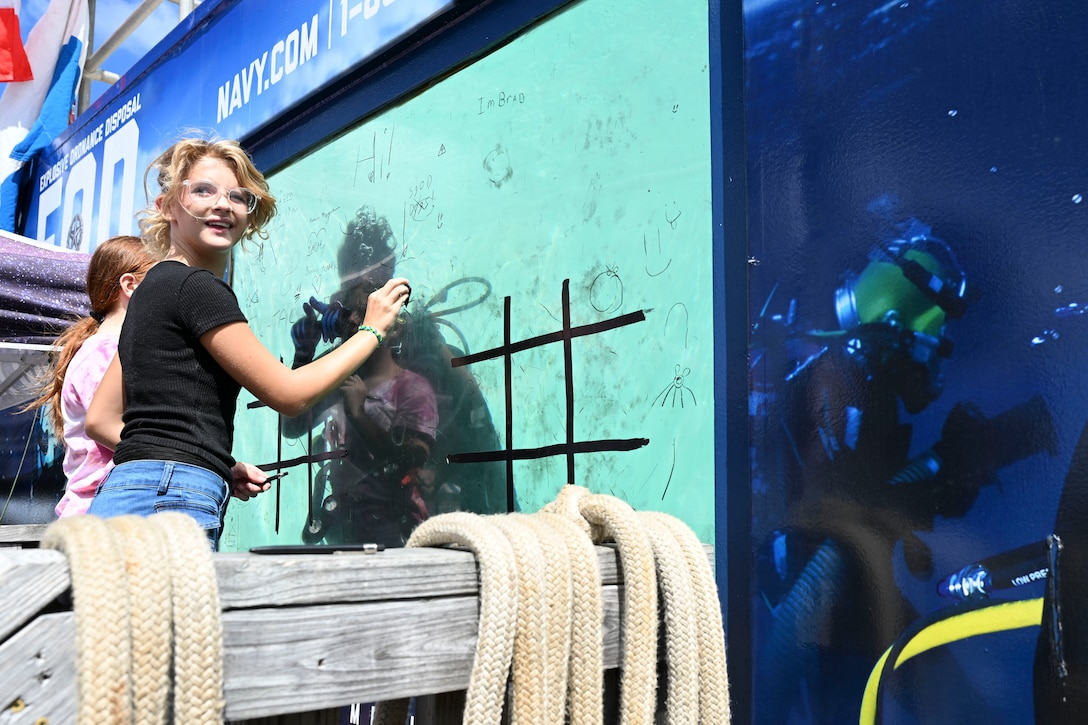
{"x": 146, "y": 603}
{"x": 541, "y": 615}
{"x": 149, "y": 640}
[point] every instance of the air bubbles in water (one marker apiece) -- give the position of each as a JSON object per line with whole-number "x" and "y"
{"x": 1071, "y": 310}
{"x": 1044, "y": 337}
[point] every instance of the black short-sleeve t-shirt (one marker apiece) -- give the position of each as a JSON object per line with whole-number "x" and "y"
{"x": 179, "y": 403}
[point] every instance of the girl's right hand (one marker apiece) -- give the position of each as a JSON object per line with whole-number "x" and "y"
{"x": 384, "y": 304}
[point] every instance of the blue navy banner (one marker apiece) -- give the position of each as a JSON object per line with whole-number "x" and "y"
{"x": 206, "y": 76}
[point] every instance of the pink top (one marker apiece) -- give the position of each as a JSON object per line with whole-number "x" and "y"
{"x": 86, "y": 463}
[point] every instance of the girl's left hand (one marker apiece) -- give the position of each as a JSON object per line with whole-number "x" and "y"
{"x": 249, "y": 481}
{"x": 353, "y": 391}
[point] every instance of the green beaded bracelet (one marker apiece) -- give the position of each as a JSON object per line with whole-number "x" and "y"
{"x": 377, "y": 334}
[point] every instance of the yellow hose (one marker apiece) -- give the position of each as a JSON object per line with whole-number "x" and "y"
{"x": 953, "y": 628}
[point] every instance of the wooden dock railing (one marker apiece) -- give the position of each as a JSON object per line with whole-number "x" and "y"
{"x": 301, "y": 632}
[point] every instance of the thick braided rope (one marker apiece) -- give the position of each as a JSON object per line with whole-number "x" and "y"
{"x": 530, "y": 671}
{"x": 559, "y": 597}
{"x": 498, "y": 613}
{"x": 149, "y": 592}
{"x": 198, "y": 632}
{"x": 713, "y": 678}
{"x": 586, "y": 669}
{"x": 638, "y": 681}
{"x": 695, "y": 643}
{"x": 566, "y": 505}
{"x": 100, "y": 603}
{"x": 681, "y": 627}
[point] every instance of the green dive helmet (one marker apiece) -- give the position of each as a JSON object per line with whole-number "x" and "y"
{"x": 915, "y": 284}
{"x": 895, "y": 313}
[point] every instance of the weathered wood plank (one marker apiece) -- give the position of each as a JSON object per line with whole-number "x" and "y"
{"x": 22, "y": 534}
{"x": 30, "y": 579}
{"x": 38, "y": 672}
{"x": 247, "y": 580}
{"x": 33, "y": 578}
{"x": 305, "y": 658}
{"x": 290, "y": 659}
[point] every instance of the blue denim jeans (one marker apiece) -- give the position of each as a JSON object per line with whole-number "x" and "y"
{"x": 147, "y": 487}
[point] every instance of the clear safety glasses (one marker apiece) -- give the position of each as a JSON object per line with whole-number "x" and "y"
{"x": 206, "y": 193}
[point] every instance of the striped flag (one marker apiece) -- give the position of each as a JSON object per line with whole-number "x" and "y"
{"x": 14, "y": 65}
{"x": 35, "y": 112}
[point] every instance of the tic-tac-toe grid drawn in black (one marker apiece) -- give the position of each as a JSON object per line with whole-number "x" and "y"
{"x": 571, "y": 447}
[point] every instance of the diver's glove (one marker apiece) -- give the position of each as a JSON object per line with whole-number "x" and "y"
{"x": 309, "y": 330}
{"x": 974, "y": 447}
